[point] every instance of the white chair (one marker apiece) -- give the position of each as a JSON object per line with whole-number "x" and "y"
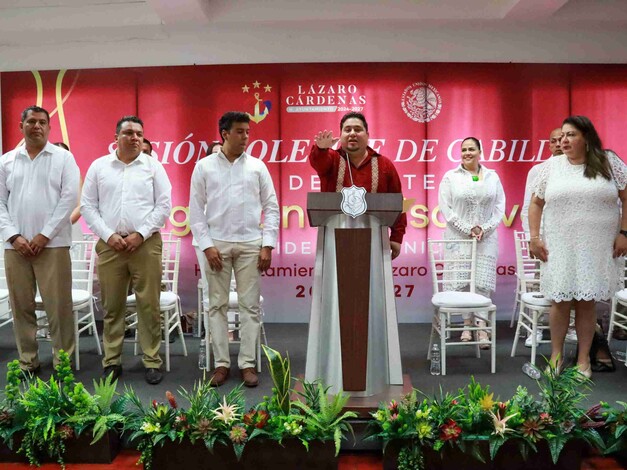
{"x": 232, "y": 314}
{"x": 527, "y": 271}
{"x": 453, "y": 266}
{"x": 169, "y": 302}
{"x": 532, "y": 306}
{"x": 83, "y": 258}
{"x": 617, "y": 319}
{"x": 6, "y": 317}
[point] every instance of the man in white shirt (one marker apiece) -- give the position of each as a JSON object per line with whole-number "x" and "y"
{"x": 38, "y": 190}
{"x": 229, "y": 192}
{"x": 126, "y": 200}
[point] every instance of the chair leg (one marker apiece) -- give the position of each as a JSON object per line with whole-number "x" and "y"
{"x": 518, "y": 325}
{"x": 534, "y": 329}
{"x": 475, "y": 335}
{"x": 610, "y": 326}
{"x": 263, "y": 333}
{"x": 77, "y": 360}
{"x": 492, "y": 317}
{"x": 136, "y": 342}
{"x": 516, "y": 303}
{"x": 94, "y": 329}
{"x": 177, "y": 312}
{"x": 166, "y": 336}
{"x": 259, "y": 348}
{"x": 431, "y": 339}
{"x": 199, "y": 316}
{"x": 443, "y": 317}
{"x": 207, "y": 340}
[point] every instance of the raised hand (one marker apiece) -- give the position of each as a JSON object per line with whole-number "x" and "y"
{"x": 324, "y": 139}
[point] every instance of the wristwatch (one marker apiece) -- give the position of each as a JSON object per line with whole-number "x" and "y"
{"x": 623, "y": 232}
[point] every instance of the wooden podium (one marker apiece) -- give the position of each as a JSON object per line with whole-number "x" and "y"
{"x": 353, "y": 332}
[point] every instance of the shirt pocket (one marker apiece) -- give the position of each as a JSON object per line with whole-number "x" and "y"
{"x": 141, "y": 187}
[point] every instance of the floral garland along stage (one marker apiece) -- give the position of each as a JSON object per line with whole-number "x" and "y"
{"x": 38, "y": 419}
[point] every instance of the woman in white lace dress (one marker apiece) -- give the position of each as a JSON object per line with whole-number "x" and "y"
{"x": 584, "y": 234}
{"x": 472, "y": 201}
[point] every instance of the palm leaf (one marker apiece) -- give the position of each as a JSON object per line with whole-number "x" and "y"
{"x": 556, "y": 444}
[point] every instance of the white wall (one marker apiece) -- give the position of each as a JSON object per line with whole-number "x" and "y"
{"x": 71, "y": 34}
{"x": 326, "y": 43}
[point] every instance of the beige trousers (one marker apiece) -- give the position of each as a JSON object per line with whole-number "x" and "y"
{"x": 116, "y": 270}
{"x": 240, "y": 259}
{"x": 51, "y": 270}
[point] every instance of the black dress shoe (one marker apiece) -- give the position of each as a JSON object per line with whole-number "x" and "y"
{"x": 115, "y": 371}
{"x": 153, "y": 375}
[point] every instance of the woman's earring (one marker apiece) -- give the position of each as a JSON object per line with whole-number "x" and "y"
{"x": 587, "y": 148}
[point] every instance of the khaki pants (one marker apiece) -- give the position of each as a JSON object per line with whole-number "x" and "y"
{"x": 241, "y": 259}
{"x": 116, "y": 270}
{"x": 51, "y": 270}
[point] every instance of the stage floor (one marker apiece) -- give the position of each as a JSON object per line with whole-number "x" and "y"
{"x": 292, "y": 338}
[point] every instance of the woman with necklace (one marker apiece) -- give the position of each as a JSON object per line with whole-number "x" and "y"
{"x": 584, "y": 234}
{"x": 472, "y": 201}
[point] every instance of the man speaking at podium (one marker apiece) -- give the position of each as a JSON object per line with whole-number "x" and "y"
{"x": 353, "y": 333}
{"x": 368, "y": 169}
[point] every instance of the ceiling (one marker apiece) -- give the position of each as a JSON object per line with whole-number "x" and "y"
{"x": 105, "y": 33}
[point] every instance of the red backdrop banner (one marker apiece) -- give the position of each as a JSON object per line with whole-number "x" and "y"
{"x": 417, "y": 114}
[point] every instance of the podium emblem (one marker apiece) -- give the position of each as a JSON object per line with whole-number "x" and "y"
{"x": 354, "y": 201}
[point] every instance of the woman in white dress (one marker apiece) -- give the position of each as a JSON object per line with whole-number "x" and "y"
{"x": 472, "y": 201}
{"x": 584, "y": 234}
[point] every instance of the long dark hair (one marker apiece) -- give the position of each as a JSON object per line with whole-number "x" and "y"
{"x": 596, "y": 158}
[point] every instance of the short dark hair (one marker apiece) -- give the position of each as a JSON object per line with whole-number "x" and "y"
{"x": 229, "y": 118}
{"x": 129, "y": 118}
{"x": 212, "y": 145}
{"x": 146, "y": 141}
{"x": 473, "y": 139}
{"x": 596, "y": 158}
{"x": 35, "y": 109}
{"x": 354, "y": 115}
{"x": 63, "y": 145}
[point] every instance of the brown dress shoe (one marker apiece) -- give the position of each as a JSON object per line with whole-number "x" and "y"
{"x": 220, "y": 374}
{"x": 249, "y": 376}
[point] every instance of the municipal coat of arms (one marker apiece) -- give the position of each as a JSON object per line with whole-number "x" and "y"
{"x": 354, "y": 201}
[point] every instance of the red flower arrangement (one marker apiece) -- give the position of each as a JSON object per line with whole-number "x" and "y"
{"x": 450, "y": 431}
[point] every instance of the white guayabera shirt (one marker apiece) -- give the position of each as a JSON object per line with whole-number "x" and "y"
{"x": 227, "y": 201}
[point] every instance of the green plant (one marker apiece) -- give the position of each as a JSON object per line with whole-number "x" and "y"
{"x": 616, "y": 422}
{"x": 107, "y": 414}
{"x": 324, "y": 419}
{"x": 414, "y": 422}
{"x": 12, "y": 413}
{"x": 318, "y": 417}
{"x": 280, "y": 371}
{"x": 61, "y": 409}
{"x": 210, "y": 418}
{"x": 474, "y": 414}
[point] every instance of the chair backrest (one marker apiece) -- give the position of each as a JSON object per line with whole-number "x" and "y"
{"x": 453, "y": 264}
{"x": 526, "y": 266}
{"x": 83, "y": 256}
{"x": 170, "y": 262}
{"x": 167, "y": 247}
